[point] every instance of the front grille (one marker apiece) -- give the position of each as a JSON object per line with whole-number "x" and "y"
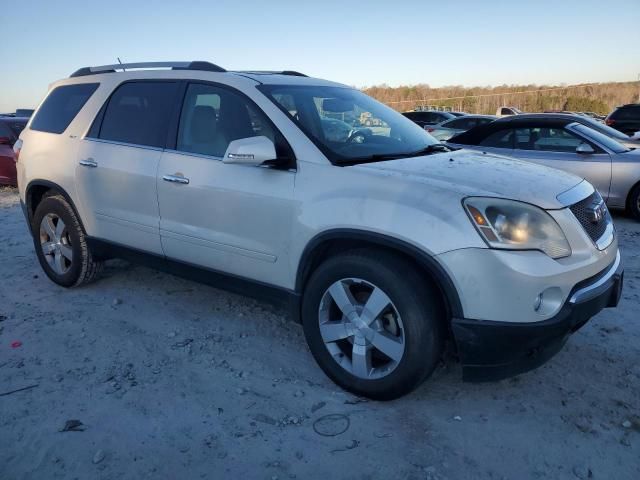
{"x": 585, "y": 212}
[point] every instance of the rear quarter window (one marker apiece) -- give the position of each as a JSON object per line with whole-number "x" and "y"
{"x": 61, "y": 106}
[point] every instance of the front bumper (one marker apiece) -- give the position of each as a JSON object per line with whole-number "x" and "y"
{"x": 491, "y": 350}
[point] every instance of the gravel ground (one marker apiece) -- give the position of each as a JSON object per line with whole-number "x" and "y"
{"x": 173, "y": 379}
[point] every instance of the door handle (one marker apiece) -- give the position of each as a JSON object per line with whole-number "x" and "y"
{"x": 89, "y": 162}
{"x": 175, "y": 179}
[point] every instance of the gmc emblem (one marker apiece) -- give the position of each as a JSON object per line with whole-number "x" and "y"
{"x": 596, "y": 212}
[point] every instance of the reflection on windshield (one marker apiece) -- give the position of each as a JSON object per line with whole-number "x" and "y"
{"x": 608, "y": 142}
{"x": 349, "y": 126}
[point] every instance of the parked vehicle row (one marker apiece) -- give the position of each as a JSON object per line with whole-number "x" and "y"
{"x": 569, "y": 144}
{"x": 386, "y": 245}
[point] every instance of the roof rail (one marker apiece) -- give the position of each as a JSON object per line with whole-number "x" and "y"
{"x": 293, "y": 73}
{"x": 197, "y": 65}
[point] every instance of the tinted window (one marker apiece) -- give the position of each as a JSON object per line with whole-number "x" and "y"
{"x": 11, "y": 129}
{"x": 627, "y": 113}
{"x": 460, "y": 123}
{"x": 5, "y": 131}
{"x": 61, "y": 106}
{"x": 138, "y": 113}
{"x": 212, "y": 117}
{"x": 499, "y": 139}
{"x": 466, "y": 123}
{"x": 17, "y": 128}
{"x": 546, "y": 140}
{"x": 441, "y": 117}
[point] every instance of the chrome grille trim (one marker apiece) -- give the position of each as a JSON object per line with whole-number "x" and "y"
{"x": 601, "y": 231}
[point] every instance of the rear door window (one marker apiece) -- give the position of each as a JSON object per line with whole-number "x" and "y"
{"x": 139, "y": 112}
{"x": 61, "y": 106}
{"x": 499, "y": 139}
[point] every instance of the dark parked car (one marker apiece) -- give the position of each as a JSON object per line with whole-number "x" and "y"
{"x": 10, "y": 128}
{"x": 429, "y": 117}
{"x": 625, "y": 118}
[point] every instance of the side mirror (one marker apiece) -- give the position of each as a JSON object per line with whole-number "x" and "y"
{"x": 250, "y": 151}
{"x": 5, "y": 141}
{"x": 585, "y": 149}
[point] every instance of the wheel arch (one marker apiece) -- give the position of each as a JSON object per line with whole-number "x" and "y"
{"x": 334, "y": 241}
{"x": 627, "y": 201}
{"x": 36, "y": 191}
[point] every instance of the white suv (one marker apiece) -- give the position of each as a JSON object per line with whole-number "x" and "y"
{"x": 385, "y": 243}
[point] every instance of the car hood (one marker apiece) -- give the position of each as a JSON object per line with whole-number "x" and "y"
{"x": 631, "y": 143}
{"x": 471, "y": 173}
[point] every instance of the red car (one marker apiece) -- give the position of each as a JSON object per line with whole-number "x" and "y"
{"x": 10, "y": 128}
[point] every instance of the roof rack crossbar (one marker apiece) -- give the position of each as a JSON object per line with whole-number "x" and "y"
{"x": 197, "y": 65}
{"x": 273, "y": 72}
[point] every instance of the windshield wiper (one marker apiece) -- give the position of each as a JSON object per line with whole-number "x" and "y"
{"x": 428, "y": 150}
{"x": 381, "y": 157}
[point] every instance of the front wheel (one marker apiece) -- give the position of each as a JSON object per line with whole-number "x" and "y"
{"x": 61, "y": 244}
{"x": 633, "y": 204}
{"x": 372, "y": 323}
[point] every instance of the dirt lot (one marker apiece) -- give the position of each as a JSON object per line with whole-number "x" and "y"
{"x": 172, "y": 379}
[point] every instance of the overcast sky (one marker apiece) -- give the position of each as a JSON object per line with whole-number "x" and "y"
{"x": 359, "y": 43}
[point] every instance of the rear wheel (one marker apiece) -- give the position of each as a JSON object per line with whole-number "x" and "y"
{"x": 633, "y": 204}
{"x": 61, "y": 244}
{"x": 372, "y": 323}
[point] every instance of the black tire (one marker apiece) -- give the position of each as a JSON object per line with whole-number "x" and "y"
{"x": 83, "y": 267}
{"x": 413, "y": 298}
{"x": 633, "y": 203}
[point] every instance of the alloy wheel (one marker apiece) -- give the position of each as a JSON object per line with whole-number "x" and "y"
{"x": 361, "y": 328}
{"x": 55, "y": 243}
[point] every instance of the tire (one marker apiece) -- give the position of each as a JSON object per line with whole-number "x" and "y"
{"x": 633, "y": 204}
{"x": 63, "y": 252}
{"x": 412, "y": 320}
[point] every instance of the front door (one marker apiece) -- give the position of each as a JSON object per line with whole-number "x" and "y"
{"x": 228, "y": 217}
{"x": 556, "y": 148}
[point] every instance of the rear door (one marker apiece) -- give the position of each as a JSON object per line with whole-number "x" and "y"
{"x": 118, "y": 163}
{"x": 556, "y": 148}
{"x": 227, "y": 217}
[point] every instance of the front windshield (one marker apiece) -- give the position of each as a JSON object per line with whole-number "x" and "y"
{"x": 602, "y": 139}
{"x": 605, "y": 129}
{"x": 349, "y": 126}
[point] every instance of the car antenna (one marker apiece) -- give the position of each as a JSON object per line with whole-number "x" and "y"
{"x": 120, "y": 62}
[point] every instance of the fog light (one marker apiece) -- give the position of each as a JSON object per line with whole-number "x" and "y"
{"x": 548, "y": 302}
{"x": 538, "y": 302}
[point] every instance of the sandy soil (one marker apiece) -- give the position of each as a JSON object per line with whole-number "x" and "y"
{"x": 172, "y": 379}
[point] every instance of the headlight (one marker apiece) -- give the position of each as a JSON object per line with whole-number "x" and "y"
{"x": 512, "y": 225}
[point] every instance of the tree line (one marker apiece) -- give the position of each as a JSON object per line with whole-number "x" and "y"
{"x": 600, "y": 98}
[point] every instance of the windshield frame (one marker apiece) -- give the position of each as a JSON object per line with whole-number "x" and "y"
{"x": 603, "y": 128}
{"x": 598, "y": 137}
{"x": 334, "y": 157}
